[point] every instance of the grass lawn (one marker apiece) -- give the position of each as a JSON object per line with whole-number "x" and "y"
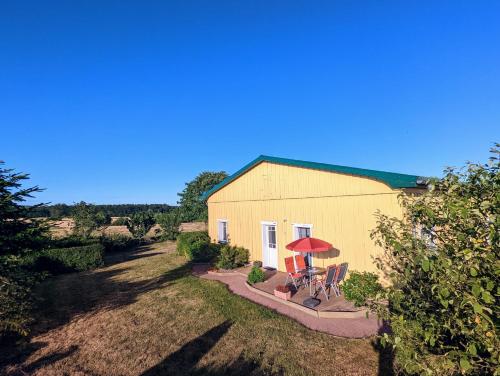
{"x": 144, "y": 314}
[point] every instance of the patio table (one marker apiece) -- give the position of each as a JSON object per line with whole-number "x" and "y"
{"x": 314, "y": 271}
{"x": 310, "y": 245}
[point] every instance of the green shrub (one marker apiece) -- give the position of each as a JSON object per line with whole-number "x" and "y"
{"x": 118, "y": 242}
{"x": 140, "y": 223}
{"x": 360, "y": 287}
{"x": 232, "y": 257}
{"x": 64, "y": 260}
{"x": 196, "y": 246}
{"x": 169, "y": 223}
{"x": 72, "y": 241}
{"x": 120, "y": 221}
{"x": 442, "y": 262}
{"x": 189, "y": 240}
{"x": 255, "y": 275}
{"x": 15, "y": 296}
{"x": 88, "y": 219}
{"x": 204, "y": 252}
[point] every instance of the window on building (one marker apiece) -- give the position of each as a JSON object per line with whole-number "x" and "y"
{"x": 222, "y": 231}
{"x": 271, "y": 235}
{"x": 303, "y": 231}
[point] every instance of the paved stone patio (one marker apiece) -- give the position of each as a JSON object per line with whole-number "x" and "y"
{"x": 355, "y": 327}
{"x": 333, "y": 304}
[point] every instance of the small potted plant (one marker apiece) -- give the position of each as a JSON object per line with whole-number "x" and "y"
{"x": 283, "y": 292}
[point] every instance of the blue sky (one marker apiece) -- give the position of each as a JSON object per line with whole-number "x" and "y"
{"x": 125, "y": 101}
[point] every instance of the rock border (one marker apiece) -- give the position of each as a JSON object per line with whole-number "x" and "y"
{"x": 319, "y": 314}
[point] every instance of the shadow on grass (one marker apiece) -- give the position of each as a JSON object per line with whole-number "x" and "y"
{"x": 139, "y": 252}
{"x": 385, "y": 354}
{"x": 49, "y": 359}
{"x": 62, "y": 298}
{"x": 15, "y": 358}
{"x": 184, "y": 361}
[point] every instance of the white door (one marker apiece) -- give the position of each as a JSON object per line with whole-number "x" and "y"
{"x": 269, "y": 248}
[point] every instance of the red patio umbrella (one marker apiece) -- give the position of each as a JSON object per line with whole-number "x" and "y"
{"x": 312, "y": 245}
{"x": 309, "y": 245}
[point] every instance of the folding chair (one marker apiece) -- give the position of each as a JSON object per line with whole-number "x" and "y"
{"x": 341, "y": 276}
{"x": 292, "y": 274}
{"x": 329, "y": 282}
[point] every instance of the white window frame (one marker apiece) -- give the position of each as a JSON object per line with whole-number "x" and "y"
{"x": 295, "y": 237}
{"x": 219, "y": 240}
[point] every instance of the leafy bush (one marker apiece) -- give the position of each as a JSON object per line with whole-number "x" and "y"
{"x": 360, "y": 287}
{"x": 189, "y": 240}
{"x": 15, "y": 296}
{"x": 169, "y": 223}
{"x": 444, "y": 295}
{"x": 232, "y": 257}
{"x": 118, "y": 242}
{"x": 196, "y": 246}
{"x": 255, "y": 275}
{"x": 204, "y": 252}
{"x": 64, "y": 260}
{"x": 88, "y": 219}
{"x": 139, "y": 224}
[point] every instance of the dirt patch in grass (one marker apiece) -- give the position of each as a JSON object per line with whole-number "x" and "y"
{"x": 145, "y": 314}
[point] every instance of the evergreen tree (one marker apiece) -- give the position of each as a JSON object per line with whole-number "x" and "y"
{"x": 17, "y": 232}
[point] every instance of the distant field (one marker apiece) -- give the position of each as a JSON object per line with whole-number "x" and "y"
{"x": 64, "y": 227}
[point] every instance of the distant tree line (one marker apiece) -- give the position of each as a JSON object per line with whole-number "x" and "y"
{"x": 118, "y": 210}
{"x": 29, "y": 253}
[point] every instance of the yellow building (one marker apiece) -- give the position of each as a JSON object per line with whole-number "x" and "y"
{"x": 272, "y": 201}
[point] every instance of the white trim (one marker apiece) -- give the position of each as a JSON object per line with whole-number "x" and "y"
{"x": 309, "y": 225}
{"x": 271, "y": 223}
{"x": 219, "y": 240}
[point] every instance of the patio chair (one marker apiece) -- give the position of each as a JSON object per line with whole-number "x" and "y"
{"x": 328, "y": 282}
{"x": 295, "y": 277}
{"x": 300, "y": 267}
{"x": 300, "y": 262}
{"x": 341, "y": 276}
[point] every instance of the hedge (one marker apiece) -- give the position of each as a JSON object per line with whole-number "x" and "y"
{"x": 118, "y": 243}
{"x": 196, "y": 246}
{"x": 72, "y": 241}
{"x": 64, "y": 260}
{"x": 186, "y": 241}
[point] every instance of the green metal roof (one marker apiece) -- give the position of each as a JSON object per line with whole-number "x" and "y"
{"x": 392, "y": 179}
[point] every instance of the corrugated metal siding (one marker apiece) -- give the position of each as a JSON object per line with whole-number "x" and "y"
{"x": 341, "y": 209}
